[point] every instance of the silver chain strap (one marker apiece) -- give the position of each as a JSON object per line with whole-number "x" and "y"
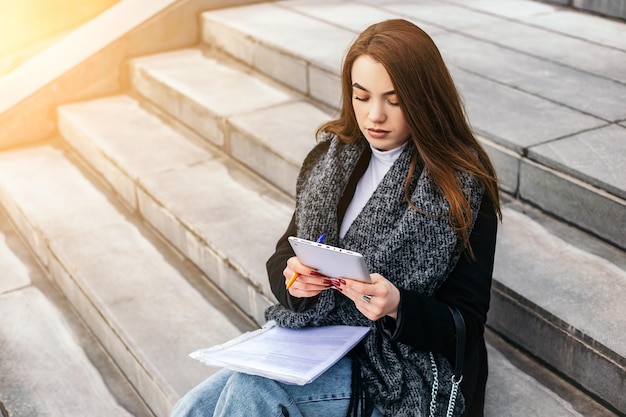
{"x": 435, "y": 388}
{"x": 433, "y": 392}
{"x": 453, "y": 394}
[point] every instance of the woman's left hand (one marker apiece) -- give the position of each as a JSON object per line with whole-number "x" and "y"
{"x": 375, "y": 300}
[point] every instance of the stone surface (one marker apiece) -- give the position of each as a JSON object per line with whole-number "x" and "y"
{"x": 317, "y": 42}
{"x": 561, "y": 303}
{"x": 575, "y": 53}
{"x": 584, "y": 26}
{"x": 320, "y": 42}
{"x": 508, "y": 9}
{"x": 527, "y": 326}
{"x": 44, "y": 370}
{"x": 509, "y": 390}
{"x": 597, "y": 157}
{"x": 574, "y": 201}
{"x": 46, "y": 349}
{"x": 200, "y": 91}
{"x": 15, "y": 273}
{"x": 137, "y": 289}
{"x": 506, "y": 163}
{"x": 124, "y": 142}
{"x": 590, "y": 288}
{"x": 121, "y": 282}
{"x": 352, "y": 16}
{"x": 60, "y": 199}
{"x": 275, "y": 141}
{"x": 515, "y": 377}
{"x": 444, "y": 15}
{"x": 534, "y": 120}
{"x": 145, "y": 145}
{"x": 613, "y": 8}
{"x": 283, "y": 67}
{"x": 236, "y": 202}
{"x": 325, "y": 87}
{"x": 570, "y": 87}
{"x": 177, "y": 183}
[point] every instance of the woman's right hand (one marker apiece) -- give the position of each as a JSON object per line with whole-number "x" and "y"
{"x": 309, "y": 282}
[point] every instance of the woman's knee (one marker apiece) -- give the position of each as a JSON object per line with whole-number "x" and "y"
{"x": 249, "y": 395}
{"x": 241, "y": 385}
{"x": 201, "y": 400}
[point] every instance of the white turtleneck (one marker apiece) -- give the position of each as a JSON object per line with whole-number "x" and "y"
{"x": 379, "y": 164}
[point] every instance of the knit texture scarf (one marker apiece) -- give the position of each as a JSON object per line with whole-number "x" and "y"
{"x": 412, "y": 250}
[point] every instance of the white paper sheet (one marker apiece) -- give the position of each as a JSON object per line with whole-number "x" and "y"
{"x": 287, "y": 355}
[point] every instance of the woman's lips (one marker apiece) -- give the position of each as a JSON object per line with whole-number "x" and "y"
{"x": 377, "y": 133}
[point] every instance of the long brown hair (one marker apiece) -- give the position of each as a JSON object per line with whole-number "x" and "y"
{"x": 432, "y": 108}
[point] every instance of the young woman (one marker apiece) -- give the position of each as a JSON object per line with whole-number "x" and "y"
{"x": 400, "y": 178}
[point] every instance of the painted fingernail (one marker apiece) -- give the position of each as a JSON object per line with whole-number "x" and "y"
{"x": 343, "y": 281}
{"x": 314, "y": 273}
{"x": 327, "y": 281}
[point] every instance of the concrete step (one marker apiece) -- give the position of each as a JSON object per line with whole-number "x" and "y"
{"x": 218, "y": 215}
{"x": 520, "y": 386}
{"x": 89, "y": 127}
{"x": 147, "y": 307}
{"x": 558, "y": 294}
{"x": 537, "y": 110}
{"x": 253, "y": 120}
{"x": 305, "y": 54}
{"x": 48, "y": 357}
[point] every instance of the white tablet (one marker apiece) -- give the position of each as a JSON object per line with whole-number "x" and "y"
{"x": 330, "y": 261}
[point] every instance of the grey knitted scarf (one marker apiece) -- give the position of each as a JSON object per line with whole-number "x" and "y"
{"x": 413, "y": 251}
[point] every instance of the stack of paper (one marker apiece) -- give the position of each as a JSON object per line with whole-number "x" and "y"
{"x": 287, "y": 355}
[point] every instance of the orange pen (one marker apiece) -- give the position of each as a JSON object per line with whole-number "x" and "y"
{"x": 295, "y": 275}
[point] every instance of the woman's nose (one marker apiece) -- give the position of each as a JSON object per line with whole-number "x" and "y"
{"x": 377, "y": 113}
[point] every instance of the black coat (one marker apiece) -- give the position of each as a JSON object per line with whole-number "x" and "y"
{"x": 425, "y": 322}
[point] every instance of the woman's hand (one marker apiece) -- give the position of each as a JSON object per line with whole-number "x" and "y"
{"x": 375, "y": 300}
{"x": 309, "y": 282}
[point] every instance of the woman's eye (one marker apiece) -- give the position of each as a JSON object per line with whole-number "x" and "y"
{"x": 393, "y": 103}
{"x": 360, "y": 98}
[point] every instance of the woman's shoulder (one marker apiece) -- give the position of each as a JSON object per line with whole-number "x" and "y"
{"x": 329, "y": 143}
{"x": 313, "y": 157}
{"x": 326, "y": 137}
{"x": 325, "y": 141}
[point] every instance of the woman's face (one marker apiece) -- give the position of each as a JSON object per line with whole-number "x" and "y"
{"x": 376, "y": 106}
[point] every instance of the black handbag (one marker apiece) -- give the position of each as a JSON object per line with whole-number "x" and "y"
{"x": 457, "y": 375}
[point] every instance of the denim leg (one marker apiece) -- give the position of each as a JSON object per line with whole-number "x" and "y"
{"x": 201, "y": 400}
{"x": 328, "y": 395}
{"x": 235, "y": 394}
{"x": 248, "y": 395}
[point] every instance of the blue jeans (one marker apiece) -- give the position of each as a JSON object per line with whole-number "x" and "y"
{"x": 234, "y": 394}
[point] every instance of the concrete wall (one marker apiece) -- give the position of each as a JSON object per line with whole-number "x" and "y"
{"x": 90, "y": 62}
{"x": 27, "y": 22}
